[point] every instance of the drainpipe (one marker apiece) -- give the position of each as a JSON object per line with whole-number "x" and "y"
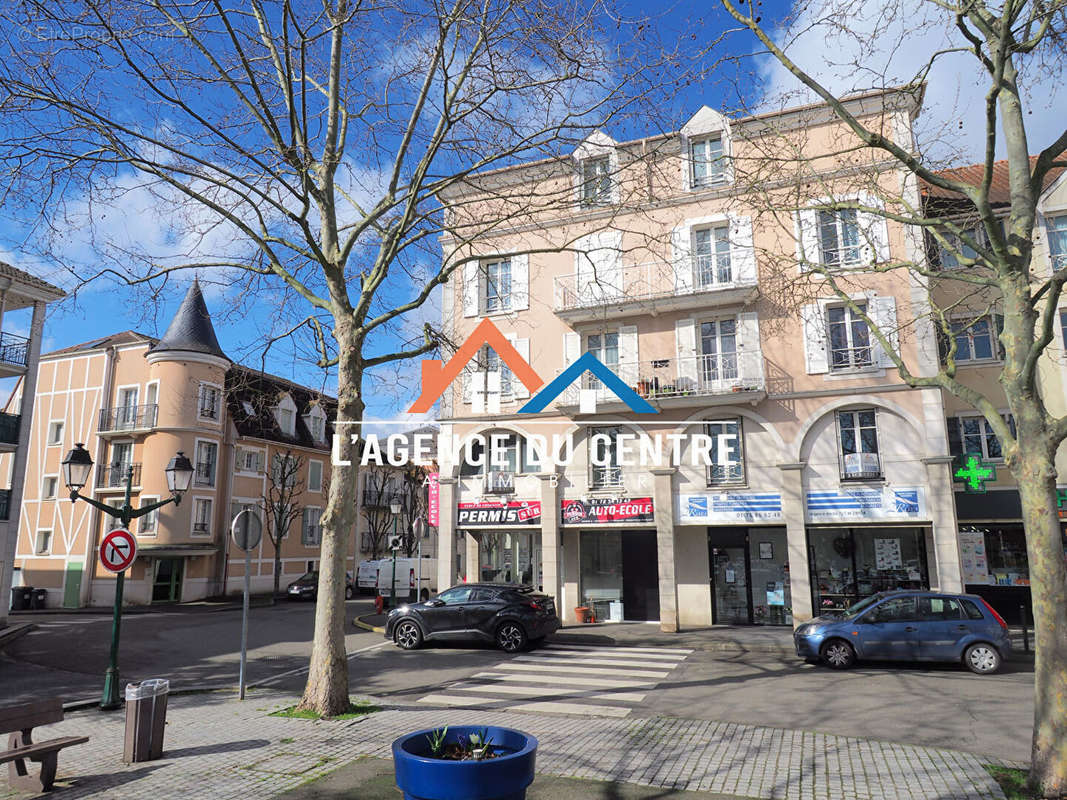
{"x": 101, "y": 459}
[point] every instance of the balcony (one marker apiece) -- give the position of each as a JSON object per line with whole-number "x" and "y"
{"x": 5, "y": 504}
{"x": 9, "y": 431}
{"x": 633, "y": 289}
{"x": 677, "y": 382}
{"x": 113, "y": 476}
{"x": 127, "y": 419}
{"x": 14, "y": 354}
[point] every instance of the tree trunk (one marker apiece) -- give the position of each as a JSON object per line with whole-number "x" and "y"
{"x": 1036, "y": 474}
{"x": 326, "y": 691}
{"x": 277, "y": 541}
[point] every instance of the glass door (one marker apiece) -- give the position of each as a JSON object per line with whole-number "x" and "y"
{"x": 730, "y": 586}
{"x": 769, "y": 576}
{"x": 167, "y": 587}
{"x": 718, "y": 352}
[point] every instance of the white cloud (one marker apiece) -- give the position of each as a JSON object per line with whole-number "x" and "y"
{"x": 851, "y": 45}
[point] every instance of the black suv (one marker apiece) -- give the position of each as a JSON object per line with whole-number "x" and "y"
{"x": 306, "y": 587}
{"x": 511, "y": 616}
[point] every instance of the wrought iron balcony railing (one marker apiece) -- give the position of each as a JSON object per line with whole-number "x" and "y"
{"x": 113, "y": 476}
{"x": 14, "y": 349}
{"x": 128, "y": 418}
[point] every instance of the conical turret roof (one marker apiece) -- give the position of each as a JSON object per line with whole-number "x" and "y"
{"x": 191, "y": 330}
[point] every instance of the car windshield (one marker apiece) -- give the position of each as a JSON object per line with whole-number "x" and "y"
{"x": 308, "y": 576}
{"x": 861, "y": 606}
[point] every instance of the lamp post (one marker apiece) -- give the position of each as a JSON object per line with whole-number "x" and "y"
{"x": 394, "y": 507}
{"x": 76, "y": 468}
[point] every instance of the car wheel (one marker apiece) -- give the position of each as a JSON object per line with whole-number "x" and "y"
{"x": 424, "y": 595}
{"x": 838, "y": 654}
{"x": 982, "y": 658}
{"x": 510, "y": 637}
{"x": 348, "y": 593}
{"x": 408, "y": 635}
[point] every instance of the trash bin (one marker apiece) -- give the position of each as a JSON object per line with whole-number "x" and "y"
{"x": 39, "y": 598}
{"x": 21, "y": 597}
{"x": 146, "y": 714}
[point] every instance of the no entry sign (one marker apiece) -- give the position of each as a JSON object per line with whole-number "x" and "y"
{"x": 118, "y": 550}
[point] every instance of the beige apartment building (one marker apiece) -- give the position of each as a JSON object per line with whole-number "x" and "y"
{"x": 21, "y": 295}
{"x": 135, "y": 401}
{"x": 666, "y": 264}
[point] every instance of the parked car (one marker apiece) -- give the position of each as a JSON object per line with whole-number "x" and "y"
{"x": 306, "y": 587}
{"x": 510, "y": 616}
{"x": 367, "y": 576}
{"x": 909, "y": 626}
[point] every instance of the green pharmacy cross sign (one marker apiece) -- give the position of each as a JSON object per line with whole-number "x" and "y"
{"x": 973, "y": 473}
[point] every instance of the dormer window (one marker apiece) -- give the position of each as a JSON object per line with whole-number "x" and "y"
{"x": 596, "y": 181}
{"x": 315, "y": 419}
{"x": 285, "y": 414}
{"x": 707, "y": 161}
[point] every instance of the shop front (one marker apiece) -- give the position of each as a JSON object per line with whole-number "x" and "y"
{"x": 617, "y": 556}
{"x": 505, "y": 537}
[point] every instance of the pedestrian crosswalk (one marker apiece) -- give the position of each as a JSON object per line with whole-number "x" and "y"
{"x": 566, "y": 679}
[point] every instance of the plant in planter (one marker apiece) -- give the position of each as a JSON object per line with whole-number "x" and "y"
{"x": 465, "y": 763}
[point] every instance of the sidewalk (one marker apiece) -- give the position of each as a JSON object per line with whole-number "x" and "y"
{"x": 220, "y": 748}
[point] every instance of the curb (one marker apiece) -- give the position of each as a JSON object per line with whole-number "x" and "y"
{"x": 359, "y": 623}
{"x": 13, "y": 632}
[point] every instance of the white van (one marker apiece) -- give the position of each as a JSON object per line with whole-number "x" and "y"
{"x": 408, "y": 572}
{"x": 367, "y": 576}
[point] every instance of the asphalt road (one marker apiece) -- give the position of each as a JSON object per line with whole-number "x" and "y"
{"x": 921, "y": 704}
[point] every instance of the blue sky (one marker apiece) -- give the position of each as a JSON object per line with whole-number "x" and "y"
{"x": 243, "y": 324}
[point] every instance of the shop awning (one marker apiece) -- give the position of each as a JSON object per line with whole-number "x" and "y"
{"x": 175, "y": 550}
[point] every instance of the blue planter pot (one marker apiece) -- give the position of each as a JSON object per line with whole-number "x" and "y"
{"x": 505, "y": 777}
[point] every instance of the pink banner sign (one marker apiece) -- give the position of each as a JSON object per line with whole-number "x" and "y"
{"x": 433, "y": 504}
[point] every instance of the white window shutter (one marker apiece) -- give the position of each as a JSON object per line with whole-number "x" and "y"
{"x": 518, "y": 388}
{"x": 681, "y": 260}
{"x": 466, "y": 379}
{"x": 470, "y": 288}
{"x": 742, "y": 252}
{"x": 572, "y": 347}
{"x": 883, "y": 313}
{"x": 520, "y": 282}
{"x": 685, "y": 346}
{"x": 814, "y": 324}
{"x": 748, "y": 345}
{"x": 807, "y": 235}
{"x": 628, "y": 356}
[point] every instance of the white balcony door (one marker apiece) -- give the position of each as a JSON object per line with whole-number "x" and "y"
{"x": 127, "y": 412}
{"x": 711, "y": 257}
{"x": 598, "y": 267}
{"x": 718, "y": 352}
{"x": 605, "y": 346}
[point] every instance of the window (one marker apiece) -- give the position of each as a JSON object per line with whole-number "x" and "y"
{"x": 899, "y": 609}
{"x": 956, "y": 247}
{"x": 839, "y": 237}
{"x": 248, "y": 409}
{"x": 1063, "y": 327}
{"x": 314, "y": 476}
{"x": 975, "y": 340}
{"x": 209, "y": 401}
{"x": 711, "y": 249}
{"x": 201, "y": 516}
{"x": 121, "y": 461}
{"x": 283, "y": 468}
{"x": 497, "y": 286}
{"x": 718, "y": 351}
{"x": 494, "y": 363}
{"x": 206, "y": 458}
{"x": 934, "y": 609}
{"x": 126, "y": 414}
{"x": 316, "y": 422}
{"x": 727, "y": 461}
{"x": 1057, "y": 241}
{"x": 43, "y": 544}
{"x": 285, "y": 414}
{"x": 859, "y": 444}
{"x": 455, "y": 597}
{"x": 55, "y": 432}
{"x": 850, "y": 340}
{"x": 249, "y": 460}
{"x": 596, "y": 181}
{"x": 311, "y": 533}
{"x": 974, "y": 434}
{"x": 514, "y": 454}
{"x": 51, "y": 484}
{"x": 709, "y": 166}
{"x": 604, "y": 457}
{"x": 149, "y": 523}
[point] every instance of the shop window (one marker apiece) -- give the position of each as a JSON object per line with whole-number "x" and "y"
{"x": 858, "y": 433}
{"x": 727, "y": 462}
{"x": 995, "y": 555}
{"x": 849, "y": 338}
{"x": 849, "y": 564}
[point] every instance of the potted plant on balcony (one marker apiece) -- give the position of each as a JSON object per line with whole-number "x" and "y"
{"x": 465, "y": 763}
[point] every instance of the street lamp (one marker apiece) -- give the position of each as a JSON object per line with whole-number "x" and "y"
{"x": 394, "y": 507}
{"x": 76, "y": 468}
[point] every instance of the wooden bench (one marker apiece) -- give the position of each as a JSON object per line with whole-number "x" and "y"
{"x": 19, "y": 721}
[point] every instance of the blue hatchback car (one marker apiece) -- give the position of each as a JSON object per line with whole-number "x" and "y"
{"x": 909, "y": 626}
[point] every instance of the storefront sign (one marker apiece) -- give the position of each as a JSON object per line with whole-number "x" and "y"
{"x": 490, "y": 512}
{"x": 866, "y": 504}
{"x": 973, "y": 561}
{"x": 973, "y": 472}
{"x": 433, "y": 501}
{"x": 607, "y": 509}
{"x": 730, "y": 507}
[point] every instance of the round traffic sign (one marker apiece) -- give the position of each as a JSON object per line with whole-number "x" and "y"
{"x": 118, "y": 550}
{"x": 246, "y": 529}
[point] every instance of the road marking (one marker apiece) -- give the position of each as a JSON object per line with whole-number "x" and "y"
{"x": 603, "y": 662}
{"x": 554, "y": 679}
{"x": 596, "y": 649}
{"x": 666, "y": 660}
{"x": 546, "y": 691}
{"x": 300, "y": 670}
{"x": 583, "y": 670}
{"x": 548, "y": 706}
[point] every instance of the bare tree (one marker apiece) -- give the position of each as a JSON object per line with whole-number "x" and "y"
{"x": 378, "y": 489}
{"x": 961, "y": 215}
{"x": 414, "y": 499}
{"x": 281, "y": 503}
{"x": 299, "y": 150}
